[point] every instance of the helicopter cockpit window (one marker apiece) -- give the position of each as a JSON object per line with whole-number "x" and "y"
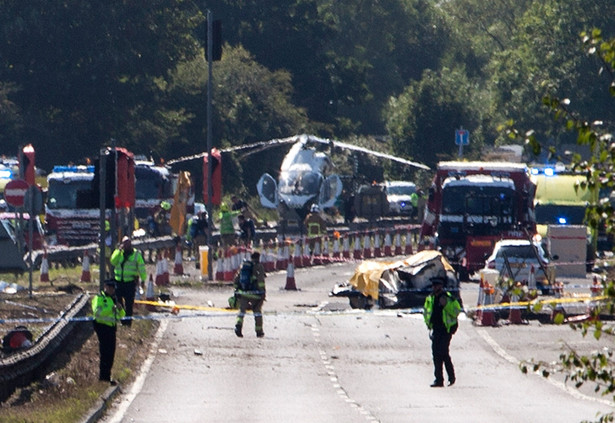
{"x": 305, "y": 183}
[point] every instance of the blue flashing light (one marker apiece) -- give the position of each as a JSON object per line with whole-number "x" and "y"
{"x": 6, "y": 174}
{"x": 73, "y": 169}
{"x": 534, "y": 171}
{"x": 549, "y": 171}
{"x": 562, "y": 220}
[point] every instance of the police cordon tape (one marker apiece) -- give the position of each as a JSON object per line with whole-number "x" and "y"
{"x": 224, "y": 312}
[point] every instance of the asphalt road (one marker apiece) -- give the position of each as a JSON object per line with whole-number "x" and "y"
{"x": 322, "y": 362}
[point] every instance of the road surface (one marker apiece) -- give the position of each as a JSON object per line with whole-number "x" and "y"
{"x": 322, "y": 362}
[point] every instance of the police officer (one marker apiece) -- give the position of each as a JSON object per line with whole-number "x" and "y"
{"x": 440, "y": 313}
{"x": 107, "y": 312}
{"x": 129, "y": 266}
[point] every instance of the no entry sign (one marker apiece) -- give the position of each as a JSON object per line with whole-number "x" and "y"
{"x": 15, "y": 192}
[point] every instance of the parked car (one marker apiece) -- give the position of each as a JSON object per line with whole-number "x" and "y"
{"x": 515, "y": 259}
{"x": 398, "y": 195}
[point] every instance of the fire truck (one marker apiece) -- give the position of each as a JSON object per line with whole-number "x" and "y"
{"x": 72, "y": 209}
{"x": 154, "y": 185}
{"x": 472, "y": 205}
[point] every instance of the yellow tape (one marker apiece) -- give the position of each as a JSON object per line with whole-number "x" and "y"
{"x": 546, "y": 301}
{"x": 183, "y": 307}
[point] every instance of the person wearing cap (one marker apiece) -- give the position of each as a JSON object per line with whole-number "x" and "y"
{"x": 129, "y": 268}
{"x": 107, "y": 312}
{"x": 440, "y": 312}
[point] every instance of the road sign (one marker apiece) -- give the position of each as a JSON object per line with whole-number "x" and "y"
{"x": 462, "y": 137}
{"x": 15, "y": 192}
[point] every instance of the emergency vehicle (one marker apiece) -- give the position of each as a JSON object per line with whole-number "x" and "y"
{"x": 472, "y": 205}
{"x": 154, "y": 184}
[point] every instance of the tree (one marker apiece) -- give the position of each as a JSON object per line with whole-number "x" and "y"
{"x": 86, "y": 71}
{"x": 597, "y": 368}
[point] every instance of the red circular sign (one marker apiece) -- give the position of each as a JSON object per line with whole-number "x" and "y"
{"x": 15, "y": 192}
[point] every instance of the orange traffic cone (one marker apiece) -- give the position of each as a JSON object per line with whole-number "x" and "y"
{"x": 367, "y": 246}
{"x": 86, "y": 276}
{"x": 346, "y": 247}
{"x": 44, "y": 268}
{"x": 514, "y": 315}
{"x": 388, "y": 252}
{"x": 316, "y": 254}
{"x": 336, "y": 249}
{"x": 160, "y": 280}
{"x": 290, "y": 276}
{"x": 596, "y": 288}
{"x": 178, "y": 269}
{"x": 487, "y": 316}
{"x": 357, "y": 252}
{"x": 377, "y": 250}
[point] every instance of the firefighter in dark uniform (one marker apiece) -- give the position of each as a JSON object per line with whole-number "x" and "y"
{"x": 107, "y": 312}
{"x": 249, "y": 284}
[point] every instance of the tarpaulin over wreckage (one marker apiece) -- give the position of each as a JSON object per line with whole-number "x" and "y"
{"x": 403, "y": 283}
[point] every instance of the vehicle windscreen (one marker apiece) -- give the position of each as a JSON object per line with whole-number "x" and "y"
{"x": 69, "y": 194}
{"x": 551, "y": 214}
{"x": 478, "y": 200}
{"x": 519, "y": 252}
{"x": 400, "y": 190}
{"x": 151, "y": 185}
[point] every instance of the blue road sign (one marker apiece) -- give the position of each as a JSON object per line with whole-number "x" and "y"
{"x": 462, "y": 137}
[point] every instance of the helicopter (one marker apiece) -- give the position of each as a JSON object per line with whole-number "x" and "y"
{"x": 307, "y": 175}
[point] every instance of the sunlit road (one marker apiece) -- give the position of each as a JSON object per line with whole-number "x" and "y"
{"x": 322, "y": 362}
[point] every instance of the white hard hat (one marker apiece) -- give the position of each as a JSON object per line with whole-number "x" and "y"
{"x": 315, "y": 208}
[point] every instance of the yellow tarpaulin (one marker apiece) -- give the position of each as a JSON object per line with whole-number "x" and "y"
{"x": 366, "y": 278}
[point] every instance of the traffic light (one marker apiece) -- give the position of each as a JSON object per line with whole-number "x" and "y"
{"x": 216, "y": 49}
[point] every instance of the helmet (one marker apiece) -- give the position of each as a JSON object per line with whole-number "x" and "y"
{"x": 315, "y": 208}
{"x": 165, "y": 205}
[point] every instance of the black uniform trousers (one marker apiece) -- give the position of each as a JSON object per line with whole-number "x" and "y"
{"x": 106, "y": 348}
{"x": 440, "y": 342}
{"x": 125, "y": 292}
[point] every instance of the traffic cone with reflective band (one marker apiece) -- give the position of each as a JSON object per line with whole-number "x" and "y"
{"x": 377, "y": 249}
{"x": 220, "y": 265}
{"x": 345, "y": 247}
{"x": 228, "y": 268}
{"x": 367, "y": 246}
{"x": 408, "y": 246}
{"x": 306, "y": 256}
{"x": 596, "y": 288}
{"x": 336, "y": 249}
{"x": 296, "y": 255}
{"x": 316, "y": 254}
{"x": 290, "y": 276}
{"x": 86, "y": 275}
{"x": 44, "y": 277}
{"x": 514, "y": 315}
{"x": 166, "y": 277}
{"x": 160, "y": 279}
{"x": 558, "y": 289}
{"x": 150, "y": 295}
{"x": 388, "y": 251}
{"x": 398, "y": 250}
{"x": 487, "y": 316}
{"x": 326, "y": 258}
{"x": 178, "y": 268}
{"x": 357, "y": 253}
{"x": 285, "y": 254}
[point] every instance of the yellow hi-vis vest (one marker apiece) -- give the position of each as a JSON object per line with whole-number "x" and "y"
{"x": 105, "y": 311}
{"x": 128, "y": 269}
{"x": 449, "y": 312}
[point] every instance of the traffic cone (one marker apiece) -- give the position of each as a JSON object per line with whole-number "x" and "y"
{"x": 160, "y": 280}
{"x": 86, "y": 276}
{"x": 178, "y": 268}
{"x": 306, "y": 257}
{"x": 408, "y": 246}
{"x": 514, "y": 315}
{"x": 150, "y": 295}
{"x": 166, "y": 277}
{"x": 290, "y": 276}
{"x": 296, "y": 255}
{"x": 326, "y": 258}
{"x": 336, "y": 249}
{"x": 316, "y": 256}
{"x": 367, "y": 246}
{"x": 398, "y": 249}
{"x": 377, "y": 250}
{"x": 388, "y": 251}
{"x": 228, "y": 269}
{"x": 357, "y": 252}
{"x": 346, "y": 247}
{"x": 44, "y": 277}
{"x": 596, "y": 288}
{"x": 220, "y": 265}
{"x": 487, "y": 317}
